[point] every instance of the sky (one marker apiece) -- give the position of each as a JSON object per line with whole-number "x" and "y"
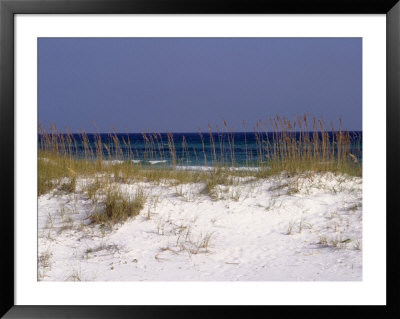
{"x": 181, "y": 84}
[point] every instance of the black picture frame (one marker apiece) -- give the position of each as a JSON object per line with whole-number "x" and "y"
{"x": 8, "y": 8}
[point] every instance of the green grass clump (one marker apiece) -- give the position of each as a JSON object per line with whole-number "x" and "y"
{"x": 217, "y": 176}
{"x": 93, "y": 188}
{"x": 45, "y": 184}
{"x": 69, "y": 186}
{"x": 49, "y": 175}
{"x": 119, "y": 207}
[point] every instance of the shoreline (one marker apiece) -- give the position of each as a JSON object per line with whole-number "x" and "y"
{"x": 188, "y": 167}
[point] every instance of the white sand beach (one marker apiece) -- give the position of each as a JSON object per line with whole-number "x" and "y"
{"x": 286, "y": 228}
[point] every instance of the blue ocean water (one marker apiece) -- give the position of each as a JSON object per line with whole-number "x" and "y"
{"x": 189, "y": 149}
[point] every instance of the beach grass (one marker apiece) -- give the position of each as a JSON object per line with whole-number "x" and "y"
{"x": 119, "y": 206}
{"x": 283, "y": 147}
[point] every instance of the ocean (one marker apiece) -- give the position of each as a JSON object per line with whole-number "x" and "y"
{"x": 195, "y": 149}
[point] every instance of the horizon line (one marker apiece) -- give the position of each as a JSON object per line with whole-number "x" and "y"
{"x": 204, "y": 133}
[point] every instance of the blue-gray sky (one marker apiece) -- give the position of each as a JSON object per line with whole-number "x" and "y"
{"x": 179, "y": 84}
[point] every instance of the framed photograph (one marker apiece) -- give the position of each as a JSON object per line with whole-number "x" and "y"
{"x": 167, "y": 153}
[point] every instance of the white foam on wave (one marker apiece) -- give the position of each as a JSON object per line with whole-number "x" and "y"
{"x": 157, "y": 162}
{"x": 210, "y": 168}
{"x": 115, "y": 162}
{"x": 195, "y": 168}
{"x": 186, "y": 167}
